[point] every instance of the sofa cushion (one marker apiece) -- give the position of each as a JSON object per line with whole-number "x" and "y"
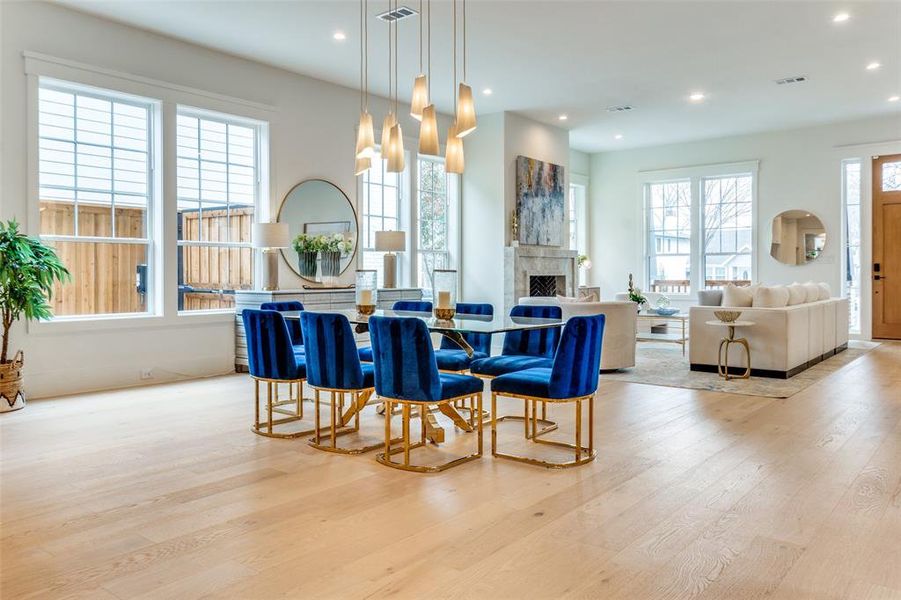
{"x": 770, "y": 297}
{"x": 734, "y": 296}
{"x": 592, "y": 297}
{"x": 825, "y": 292}
{"x": 797, "y": 294}
{"x": 813, "y": 291}
{"x": 710, "y": 297}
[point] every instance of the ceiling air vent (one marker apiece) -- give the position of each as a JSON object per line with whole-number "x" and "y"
{"x": 795, "y": 79}
{"x": 398, "y": 14}
{"x": 623, "y": 108}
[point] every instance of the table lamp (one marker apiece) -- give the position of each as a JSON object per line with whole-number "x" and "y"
{"x": 270, "y": 237}
{"x": 390, "y": 242}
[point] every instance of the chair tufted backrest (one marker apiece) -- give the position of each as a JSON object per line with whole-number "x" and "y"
{"x": 480, "y": 342}
{"x": 293, "y": 324}
{"x": 405, "y": 367}
{"x": 533, "y": 342}
{"x": 331, "y": 352}
{"x": 413, "y": 306}
{"x": 578, "y": 357}
{"x": 269, "y": 351}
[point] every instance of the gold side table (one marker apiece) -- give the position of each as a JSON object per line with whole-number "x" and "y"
{"x": 722, "y": 356}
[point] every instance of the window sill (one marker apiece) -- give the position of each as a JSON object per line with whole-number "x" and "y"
{"x": 102, "y": 323}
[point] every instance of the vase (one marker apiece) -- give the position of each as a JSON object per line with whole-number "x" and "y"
{"x": 12, "y": 392}
{"x": 306, "y": 264}
{"x": 330, "y": 265}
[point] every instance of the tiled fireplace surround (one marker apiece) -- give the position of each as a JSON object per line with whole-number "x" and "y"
{"x": 523, "y": 262}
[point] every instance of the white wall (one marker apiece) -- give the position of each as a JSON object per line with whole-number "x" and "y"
{"x": 799, "y": 169}
{"x": 312, "y": 125}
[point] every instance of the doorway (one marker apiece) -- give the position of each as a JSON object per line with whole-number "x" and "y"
{"x": 887, "y": 247}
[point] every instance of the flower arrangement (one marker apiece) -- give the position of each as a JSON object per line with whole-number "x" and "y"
{"x": 635, "y": 294}
{"x": 322, "y": 243}
{"x": 584, "y": 262}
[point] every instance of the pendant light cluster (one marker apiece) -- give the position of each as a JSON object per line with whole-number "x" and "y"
{"x": 421, "y": 107}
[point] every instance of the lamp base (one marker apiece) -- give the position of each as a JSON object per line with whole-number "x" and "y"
{"x": 389, "y": 267}
{"x": 270, "y": 271}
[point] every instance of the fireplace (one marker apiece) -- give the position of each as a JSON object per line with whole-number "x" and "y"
{"x": 547, "y": 285}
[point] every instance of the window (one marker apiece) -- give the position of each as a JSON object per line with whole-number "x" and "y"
{"x": 96, "y": 205}
{"x": 218, "y": 182}
{"x": 434, "y": 216}
{"x": 851, "y": 186}
{"x": 669, "y": 236}
{"x": 577, "y": 225}
{"x": 727, "y": 230}
{"x": 381, "y": 211}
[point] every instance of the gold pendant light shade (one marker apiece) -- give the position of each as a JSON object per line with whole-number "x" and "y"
{"x": 365, "y": 137}
{"x": 389, "y": 122}
{"x": 361, "y": 165}
{"x": 453, "y": 158}
{"x": 420, "y": 97}
{"x": 428, "y": 132}
{"x": 466, "y": 111}
{"x": 395, "y": 153}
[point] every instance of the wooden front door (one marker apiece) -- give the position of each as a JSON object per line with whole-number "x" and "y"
{"x": 887, "y": 247}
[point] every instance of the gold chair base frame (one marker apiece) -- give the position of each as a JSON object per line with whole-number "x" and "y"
{"x": 546, "y": 424}
{"x": 406, "y": 408}
{"x": 275, "y": 405}
{"x": 339, "y": 418}
{"x": 583, "y": 454}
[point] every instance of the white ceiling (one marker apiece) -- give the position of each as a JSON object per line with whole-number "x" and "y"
{"x": 544, "y": 58}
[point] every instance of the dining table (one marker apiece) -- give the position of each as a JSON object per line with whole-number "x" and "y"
{"x": 453, "y": 329}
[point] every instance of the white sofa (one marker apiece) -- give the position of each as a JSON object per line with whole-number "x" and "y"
{"x": 618, "y": 346}
{"x": 784, "y": 341}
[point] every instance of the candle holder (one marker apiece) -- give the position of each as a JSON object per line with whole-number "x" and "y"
{"x": 366, "y": 296}
{"x": 444, "y": 293}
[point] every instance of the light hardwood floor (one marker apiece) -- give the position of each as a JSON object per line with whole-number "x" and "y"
{"x": 163, "y": 492}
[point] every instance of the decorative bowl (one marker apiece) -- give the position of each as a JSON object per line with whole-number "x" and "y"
{"x": 445, "y": 314}
{"x": 667, "y": 311}
{"x": 727, "y": 316}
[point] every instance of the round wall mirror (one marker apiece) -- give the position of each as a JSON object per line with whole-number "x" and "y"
{"x": 798, "y": 237}
{"x": 318, "y": 207}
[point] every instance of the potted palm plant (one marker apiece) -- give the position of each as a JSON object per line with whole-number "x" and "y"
{"x": 28, "y": 271}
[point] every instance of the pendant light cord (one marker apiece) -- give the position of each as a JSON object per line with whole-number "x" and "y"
{"x": 366, "y": 53}
{"x": 429, "y": 79}
{"x": 420, "y": 36}
{"x": 390, "y": 86}
{"x": 454, "y": 78}
{"x": 464, "y": 40}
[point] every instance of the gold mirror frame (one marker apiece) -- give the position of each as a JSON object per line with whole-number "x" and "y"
{"x": 356, "y": 221}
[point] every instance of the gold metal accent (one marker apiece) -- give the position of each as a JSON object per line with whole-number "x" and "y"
{"x": 365, "y": 309}
{"x": 385, "y": 457}
{"x": 589, "y": 452}
{"x": 274, "y": 404}
{"x": 722, "y": 366}
{"x": 547, "y": 424}
{"x": 338, "y": 423}
{"x": 457, "y": 338}
{"x": 445, "y": 314}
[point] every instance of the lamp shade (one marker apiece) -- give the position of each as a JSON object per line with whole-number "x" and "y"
{"x": 365, "y": 137}
{"x": 390, "y": 241}
{"x": 428, "y": 132}
{"x": 361, "y": 165}
{"x": 387, "y": 124}
{"x": 395, "y": 154}
{"x": 453, "y": 158}
{"x": 466, "y": 111}
{"x": 420, "y": 97}
{"x": 270, "y": 235}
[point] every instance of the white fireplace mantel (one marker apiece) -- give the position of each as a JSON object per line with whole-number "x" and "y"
{"x": 522, "y": 262}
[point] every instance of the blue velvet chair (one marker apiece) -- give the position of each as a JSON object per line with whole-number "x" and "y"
{"x": 423, "y": 306}
{"x": 334, "y": 367}
{"x": 572, "y": 377}
{"x": 526, "y": 349}
{"x": 271, "y": 359}
{"x": 293, "y": 324}
{"x": 406, "y": 374}
{"x": 451, "y": 357}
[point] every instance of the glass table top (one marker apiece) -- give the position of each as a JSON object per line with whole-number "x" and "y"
{"x": 460, "y": 323}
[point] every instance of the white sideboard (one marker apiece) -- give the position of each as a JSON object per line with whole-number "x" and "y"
{"x": 312, "y": 299}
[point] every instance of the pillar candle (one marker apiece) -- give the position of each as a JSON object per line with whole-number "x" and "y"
{"x": 444, "y": 300}
{"x": 365, "y": 297}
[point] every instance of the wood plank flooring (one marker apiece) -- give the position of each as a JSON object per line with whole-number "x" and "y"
{"x": 164, "y": 492}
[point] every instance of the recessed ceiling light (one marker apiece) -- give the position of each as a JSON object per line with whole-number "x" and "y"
{"x": 563, "y": 117}
{"x": 873, "y": 66}
{"x": 841, "y": 17}
{"x": 339, "y": 35}
{"x": 618, "y": 136}
{"x": 487, "y": 91}
{"x": 894, "y": 98}
{"x": 696, "y": 97}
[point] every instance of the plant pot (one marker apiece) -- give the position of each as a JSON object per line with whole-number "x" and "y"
{"x": 12, "y": 392}
{"x": 331, "y": 263}
{"x": 306, "y": 264}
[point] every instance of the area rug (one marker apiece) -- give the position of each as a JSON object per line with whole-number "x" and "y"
{"x": 663, "y": 364}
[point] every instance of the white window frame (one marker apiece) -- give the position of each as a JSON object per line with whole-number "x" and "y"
{"x": 703, "y": 228}
{"x": 259, "y": 128}
{"x": 695, "y": 174}
{"x": 403, "y": 219}
{"x": 153, "y": 218}
{"x": 452, "y": 193}
{"x": 844, "y": 241}
{"x": 578, "y": 195}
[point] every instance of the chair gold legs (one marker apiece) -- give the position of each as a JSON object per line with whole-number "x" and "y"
{"x": 338, "y": 424}
{"x": 583, "y": 454}
{"x": 274, "y": 405}
{"x": 407, "y": 446}
{"x": 546, "y": 424}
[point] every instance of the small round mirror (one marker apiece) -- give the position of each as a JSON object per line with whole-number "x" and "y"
{"x": 316, "y": 207}
{"x": 798, "y": 237}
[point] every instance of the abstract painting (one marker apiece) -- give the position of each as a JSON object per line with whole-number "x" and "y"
{"x": 539, "y": 202}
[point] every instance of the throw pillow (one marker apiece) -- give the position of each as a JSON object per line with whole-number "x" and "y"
{"x": 734, "y": 296}
{"x": 771, "y": 297}
{"x": 710, "y": 297}
{"x": 592, "y": 297}
{"x": 825, "y": 292}
{"x": 796, "y": 294}
{"x": 813, "y": 291}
